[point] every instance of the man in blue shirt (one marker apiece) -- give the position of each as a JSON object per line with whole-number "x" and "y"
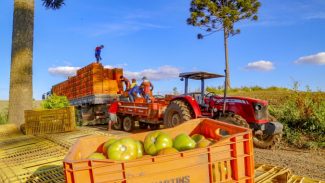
{"x": 98, "y": 49}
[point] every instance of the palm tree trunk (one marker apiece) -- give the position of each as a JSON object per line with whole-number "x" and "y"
{"x": 225, "y": 36}
{"x": 21, "y": 87}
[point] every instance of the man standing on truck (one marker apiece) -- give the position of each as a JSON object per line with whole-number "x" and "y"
{"x": 98, "y": 50}
{"x": 132, "y": 90}
{"x": 112, "y": 110}
{"x": 126, "y": 83}
{"x": 147, "y": 88}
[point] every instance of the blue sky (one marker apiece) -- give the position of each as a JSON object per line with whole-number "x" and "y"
{"x": 287, "y": 44}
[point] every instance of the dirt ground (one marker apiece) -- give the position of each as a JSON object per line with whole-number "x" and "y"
{"x": 309, "y": 163}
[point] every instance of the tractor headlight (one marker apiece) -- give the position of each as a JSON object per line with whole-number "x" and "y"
{"x": 258, "y": 107}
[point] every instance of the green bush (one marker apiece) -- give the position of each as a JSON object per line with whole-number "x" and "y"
{"x": 303, "y": 114}
{"x": 55, "y": 102}
{"x": 4, "y": 116}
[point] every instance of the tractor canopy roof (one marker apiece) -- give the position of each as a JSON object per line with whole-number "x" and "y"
{"x": 199, "y": 75}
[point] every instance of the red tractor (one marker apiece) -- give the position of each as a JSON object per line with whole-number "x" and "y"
{"x": 243, "y": 111}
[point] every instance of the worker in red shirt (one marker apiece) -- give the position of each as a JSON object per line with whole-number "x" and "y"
{"x": 147, "y": 88}
{"x": 112, "y": 110}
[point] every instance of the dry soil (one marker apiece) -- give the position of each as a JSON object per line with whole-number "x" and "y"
{"x": 309, "y": 163}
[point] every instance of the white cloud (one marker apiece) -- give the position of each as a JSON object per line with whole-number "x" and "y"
{"x": 318, "y": 59}
{"x": 115, "y": 66}
{"x": 161, "y": 73}
{"x": 261, "y": 65}
{"x": 63, "y": 70}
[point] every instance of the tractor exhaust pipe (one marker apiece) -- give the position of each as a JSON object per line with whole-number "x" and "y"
{"x": 224, "y": 94}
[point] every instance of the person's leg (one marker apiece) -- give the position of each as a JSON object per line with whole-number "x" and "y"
{"x": 131, "y": 96}
{"x": 109, "y": 122}
{"x": 97, "y": 59}
{"x": 109, "y": 125}
{"x": 146, "y": 96}
{"x": 112, "y": 120}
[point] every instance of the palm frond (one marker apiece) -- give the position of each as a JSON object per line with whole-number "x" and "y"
{"x": 53, "y": 4}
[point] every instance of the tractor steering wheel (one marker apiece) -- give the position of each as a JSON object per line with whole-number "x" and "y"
{"x": 209, "y": 94}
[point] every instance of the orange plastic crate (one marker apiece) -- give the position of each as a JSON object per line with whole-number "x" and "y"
{"x": 228, "y": 160}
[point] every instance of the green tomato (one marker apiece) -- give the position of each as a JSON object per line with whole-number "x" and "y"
{"x": 184, "y": 142}
{"x": 107, "y": 144}
{"x": 96, "y": 156}
{"x": 140, "y": 148}
{"x": 197, "y": 137}
{"x": 155, "y": 141}
{"x": 123, "y": 149}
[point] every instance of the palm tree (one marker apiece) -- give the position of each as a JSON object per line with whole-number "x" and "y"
{"x": 21, "y": 72}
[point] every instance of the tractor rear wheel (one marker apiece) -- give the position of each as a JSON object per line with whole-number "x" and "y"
{"x": 234, "y": 119}
{"x": 176, "y": 113}
{"x": 267, "y": 141}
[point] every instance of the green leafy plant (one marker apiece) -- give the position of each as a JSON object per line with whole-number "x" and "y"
{"x": 303, "y": 114}
{"x": 55, "y": 102}
{"x": 4, "y": 116}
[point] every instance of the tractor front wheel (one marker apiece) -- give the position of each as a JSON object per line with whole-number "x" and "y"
{"x": 176, "y": 113}
{"x": 267, "y": 141}
{"x": 234, "y": 119}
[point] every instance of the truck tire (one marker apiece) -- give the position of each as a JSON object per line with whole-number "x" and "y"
{"x": 176, "y": 113}
{"x": 128, "y": 124}
{"x": 118, "y": 124}
{"x": 267, "y": 142}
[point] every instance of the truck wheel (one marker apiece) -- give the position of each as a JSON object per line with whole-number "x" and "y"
{"x": 234, "y": 119}
{"x": 176, "y": 113}
{"x": 128, "y": 124}
{"x": 143, "y": 125}
{"x": 118, "y": 124}
{"x": 267, "y": 141}
{"x": 154, "y": 126}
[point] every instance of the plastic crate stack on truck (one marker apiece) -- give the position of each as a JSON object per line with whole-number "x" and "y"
{"x": 90, "y": 90}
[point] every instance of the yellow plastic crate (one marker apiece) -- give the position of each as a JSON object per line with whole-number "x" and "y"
{"x": 43, "y": 174}
{"x": 300, "y": 179}
{"x": 50, "y": 120}
{"x": 30, "y": 159}
{"x": 271, "y": 174}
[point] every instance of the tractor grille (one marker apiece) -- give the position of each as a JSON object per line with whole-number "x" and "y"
{"x": 260, "y": 111}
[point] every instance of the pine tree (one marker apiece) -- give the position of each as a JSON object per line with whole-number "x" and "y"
{"x": 221, "y": 15}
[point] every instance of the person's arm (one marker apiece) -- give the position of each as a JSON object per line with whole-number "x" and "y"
{"x": 151, "y": 86}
